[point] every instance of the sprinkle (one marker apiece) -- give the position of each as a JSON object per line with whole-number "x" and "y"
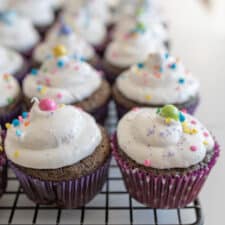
{"x": 194, "y": 131}
{"x": 205, "y": 134}
{"x": 1, "y": 148}
{"x": 6, "y": 77}
{"x": 193, "y": 122}
{"x": 25, "y": 115}
{"x": 34, "y": 72}
{"x": 148, "y": 97}
{"x": 61, "y": 105}
{"x": 181, "y": 81}
{"x": 41, "y": 89}
{"x": 193, "y": 148}
{"x": 184, "y": 110}
{"x": 140, "y": 65}
{"x": 182, "y": 117}
{"x": 60, "y": 63}
{"x": 205, "y": 142}
{"x": 18, "y": 133}
{"x": 166, "y": 55}
{"x": 76, "y": 67}
{"x": 168, "y": 120}
{"x": 8, "y": 125}
{"x": 147, "y": 162}
{"x": 135, "y": 109}
{"x": 65, "y": 30}
{"x": 173, "y": 66}
{"x": 16, "y": 122}
{"x": 158, "y": 75}
{"x": 59, "y": 95}
{"x": 59, "y": 51}
{"x": 26, "y": 123}
{"x": 10, "y": 100}
{"x": 20, "y": 118}
{"x": 16, "y": 154}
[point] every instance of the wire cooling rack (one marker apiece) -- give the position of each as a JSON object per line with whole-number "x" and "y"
{"x": 113, "y": 206}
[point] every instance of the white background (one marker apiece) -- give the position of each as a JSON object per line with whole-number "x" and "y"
{"x": 198, "y": 36}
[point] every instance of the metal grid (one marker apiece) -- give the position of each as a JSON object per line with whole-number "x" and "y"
{"x": 113, "y": 206}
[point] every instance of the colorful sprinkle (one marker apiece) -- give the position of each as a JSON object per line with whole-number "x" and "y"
{"x": 20, "y": 118}
{"x": 168, "y": 121}
{"x": 26, "y": 123}
{"x": 65, "y": 30}
{"x": 15, "y": 122}
{"x": 47, "y": 105}
{"x": 140, "y": 65}
{"x": 147, "y": 162}
{"x": 148, "y": 97}
{"x": 59, "y": 51}
{"x": 18, "y": 133}
{"x": 181, "y": 81}
{"x": 1, "y": 148}
{"x": 8, "y": 125}
{"x": 16, "y": 154}
{"x": 193, "y": 148}
{"x": 205, "y": 134}
{"x": 59, "y": 95}
{"x": 166, "y": 55}
{"x": 170, "y": 111}
{"x": 10, "y": 100}
{"x": 205, "y": 142}
{"x": 182, "y": 118}
{"x": 34, "y": 72}
{"x": 25, "y": 115}
{"x": 60, "y": 63}
{"x": 193, "y": 122}
{"x": 173, "y": 66}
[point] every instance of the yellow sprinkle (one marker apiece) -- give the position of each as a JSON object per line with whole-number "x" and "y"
{"x": 205, "y": 142}
{"x": 1, "y": 148}
{"x": 59, "y": 51}
{"x": 148, "y": 97}
{"x": 43, "y": 90}
{"x": 184, "y": 124}
{"x": 16, "y": 154}
{"x": 61, "y": 105}
{"x": 168, "y": 120}
{"x": 8, "y": 125}
{"x": 194, "y": 131}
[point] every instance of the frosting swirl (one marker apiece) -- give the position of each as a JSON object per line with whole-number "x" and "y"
{"x": 161, "y": 142}
{"x": 76, "y": 45}
{"x": 160, "y": 80}
{"x": 52, "y": 137}
{"x": 17, "y": 32}
{"x": 8, "y": 56}
{"x": 65, "y": 79}
{"x": 9, "y": 89}
{"x": 32, "y": 10}
{"x": 133, "y": 46}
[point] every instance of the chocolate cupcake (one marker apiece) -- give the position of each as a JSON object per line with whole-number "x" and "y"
{"x": 76, "y": 47}
{"x": 165, "y": 156}
{"x": 10, "y": 99}
{"x": 13, "y": 63}
{"x": 38, "y": 12}
{"x": 61, "y": 155}
{"x": 91, "y": 28}
{"x": 69, "y": 81}
{"x": 161, "y": 79}
{"x": 129, "y": 48}
{"x": 3, "y": 166}
{"x": 17, "y": 33}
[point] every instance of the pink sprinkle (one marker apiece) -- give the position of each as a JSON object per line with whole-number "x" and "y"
{"x": 59, "y": 95}
{"x": 48, "y": 82}
{"x": 76, "y": 67}
{"x": 193, "y": 122}
{"x": 193, "y": 148}
{"x": 205, "y": 134}
{"x": 20, "y": 118}
{"x": 184, "y": 110}
{"x": 135, "y": 109}
{"x": 147, "y": 162}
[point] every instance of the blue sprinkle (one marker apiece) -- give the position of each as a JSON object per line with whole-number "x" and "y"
{"x": 34, "y": 72}
{"x": 167, "y": 55}
{"x": 161, "y": 69}
{"x": 173, "y": 66}
{"x": 25, "y": 115}
{"x": 60, "y": 64}
{"x": 18, "y": 133}
{"x": 39, "y": 87}
{"x": 65, "y": 30}
{"x": 82, "y": 59}
{"x": 140, "y": 65}
{"x": 181, "y": 81}
{"x": 182, "y": 117}
{"x": 16, "y": 122}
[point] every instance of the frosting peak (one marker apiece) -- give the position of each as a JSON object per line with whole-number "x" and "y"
{"x": 47, "y": 139}
{"x": 146, "y": 134}
{"x": 162, "y": 77}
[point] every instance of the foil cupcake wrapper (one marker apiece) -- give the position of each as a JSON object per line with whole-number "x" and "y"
{"x": 163, "y": 191}
{"x": 9, "y": 116}
{"x": 189, "y": 108}
{"x": 67, "y": 194}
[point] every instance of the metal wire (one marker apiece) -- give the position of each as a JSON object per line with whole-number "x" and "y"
{"x": 118, "y": 208}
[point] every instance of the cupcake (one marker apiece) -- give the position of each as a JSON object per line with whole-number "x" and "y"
{"x": 161, "y": 79}
{"x": 13, "y": 63}
{"x": 129, "y": 48}
{"x": 61, "y": 155}
{"x": 91, "y": 28}
{"x": 38, "y": 12}
{"x": 56, "y": 5}
{"x": 3, "y": 166}
{"x": 10, "y": 98}
{"x": 76, "y": 46}
{"x": 69, "y": 80}
{"x": 165, "y": 156}
{"x": 17, "y": 33}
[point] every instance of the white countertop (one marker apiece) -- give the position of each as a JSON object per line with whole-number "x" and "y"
{"x": 199, "y": 38}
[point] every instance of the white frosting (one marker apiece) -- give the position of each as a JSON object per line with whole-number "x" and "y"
{"x": 73, "y": 82}
{"x": 9, "y": 89}
{"x": 56, "y": 4}
{"x": 76, "y": 46}
{"x": 38, "y": 11}
{"x": 157, "y": 83}
{"x": 132, "y": 47}
{"x": 11, "y": 62}
{"x": 92, "y": 29}
{"x": 17, "y": 32}
{"x": 96, "y": 8}
{"x": 145, "y": 137}
{"x": 53, "y": 139}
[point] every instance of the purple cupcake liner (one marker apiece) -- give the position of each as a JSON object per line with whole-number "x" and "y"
{"x": 67, "y": 194}
{"x": 190, "y": 108}
{"x": 9, "y": 116}
{"x": 163, "y": 191}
